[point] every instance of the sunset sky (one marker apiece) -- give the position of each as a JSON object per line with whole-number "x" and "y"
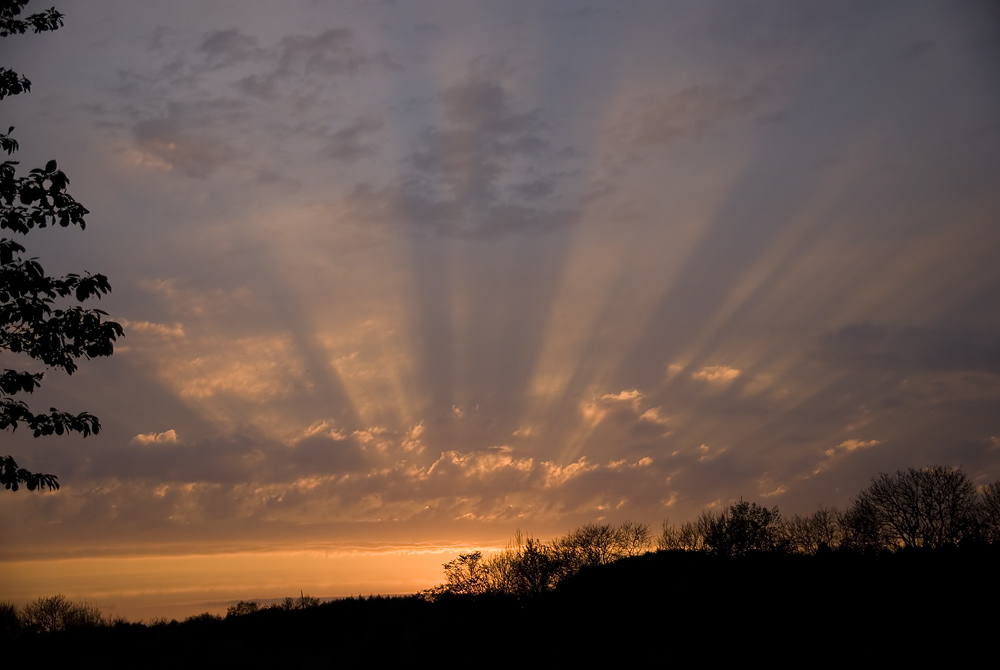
{"x": 398, "y": 278}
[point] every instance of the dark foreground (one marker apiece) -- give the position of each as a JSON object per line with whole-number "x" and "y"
{"x": 668, "y": 608}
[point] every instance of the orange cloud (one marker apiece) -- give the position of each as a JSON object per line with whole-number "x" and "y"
{"x": 716, "y": 374}
{"x": 166, "y": 437}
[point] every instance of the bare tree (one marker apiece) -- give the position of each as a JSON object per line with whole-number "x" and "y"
{"x": 633, "y": 539}
{"x": 57, "y": 613}
{"x": 669, "y": 538}
{"x": 806, "y": 534}
{"x": 685, "y": 537}
{"x": 929, "y": 507}
{"x": 600, "y": 544}
{"x": 990, "y": 511}
{"x": 593, "y": 544}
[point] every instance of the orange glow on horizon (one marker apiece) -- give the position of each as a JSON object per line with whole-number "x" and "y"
{"x": 177, "y": 586}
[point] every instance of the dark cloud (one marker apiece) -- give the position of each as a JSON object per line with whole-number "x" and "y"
{"x": 295, "y": 73}
{"x": 536, "y": 189}
{"x": 226, "y": 460}
{"x": 257, "y": 86}
{"x": 412, "y": 205}
{"x": 459, "y": 172}
{"x": 348, "y": 144}
{"x": 913, "y": 349}
{"x": 693, "y": 111}
{"x": 482, "y": 105}
{"x": 295, "y": 61}
{"x": 228, "y": 47}
{"x": 332, "y": 52}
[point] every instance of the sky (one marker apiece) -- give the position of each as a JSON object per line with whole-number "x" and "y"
{"x": 399, "y": 278}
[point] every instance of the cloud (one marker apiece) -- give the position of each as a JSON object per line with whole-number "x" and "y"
{"x": 537, "y": 189}
{"x": 556, "y": 475}
{"x": 255, "y": 369}
{"x": 707, "y": 453}
{"x": 165, "y": 143}
{"x": 594, "y": 411}
{"x": 852, "y": 445}
{"x": 149, "y": 328}
{"x": 652, "y": 415}
{"x": 223, "y": 48}
{"x": 296, "y": 60}
{"x": 716, "y": 374}
{"x": 186, "y": 299}
{"x": 410, "y": 205}
{"x": 330, "y": 473}
{"x": 695, "y": 110}
{"x": 894, "y": 347}
{"x": 846, "y": 447}
{"x": 333, "y": 52}
{"x": 198, "y": 108}
{"x": 623, "y": 396}
{"x": 325, "y": 428}
{"x": 166, "y": 437}
{"x": 347, "y": 144}
{"x": 461, "y": 174}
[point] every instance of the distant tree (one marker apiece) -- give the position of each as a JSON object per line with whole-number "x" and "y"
{"x": 466, "y": 574}
{"x": 744, "y": 528}
{"x": 593, "y": 544}
{"x": 633, "y": 538}
{"x": 806, "y": 534}
{"x": 56, "y": 613}
{"x": 669, "y": 538}
{"x": 203, "y": 619}
{"x": 526, "y": 567}
{"x": 242, "y": 608}
{"x": 305, "y": 601}
{"x": 600, "y": 544}
{"x": 290, "y": 603}
{"x": 537, "y": 568}
{"x": 34, "y": 317}
{"x": 685, "y": 537}
{"x": 861, "y": 528}
{"x": 991, "y": 512}
{"x": 929, "y": 507}
{"x": 10, "y": 621}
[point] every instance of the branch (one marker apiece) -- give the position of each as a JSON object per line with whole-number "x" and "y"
{"x": 15, "y": 412}
{"x": 41, "y": 22}
{"x": 12, "y": 477}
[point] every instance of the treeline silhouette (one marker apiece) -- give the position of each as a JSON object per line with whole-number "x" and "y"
{"x": 880, "y": 581}
{"x": 927, "y": 508}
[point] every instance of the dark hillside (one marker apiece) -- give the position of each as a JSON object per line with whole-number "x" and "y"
{"x": 900, "y": 604}
{"x": 677, "y": 607}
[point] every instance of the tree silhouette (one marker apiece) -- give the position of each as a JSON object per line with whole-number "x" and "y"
{"x": 745, "y": 527}
{"x": 466, "y": 574}
{"x": 38, "y": 317}
{"x": 822, "y": 528}
{"x": 929, "y": 507}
